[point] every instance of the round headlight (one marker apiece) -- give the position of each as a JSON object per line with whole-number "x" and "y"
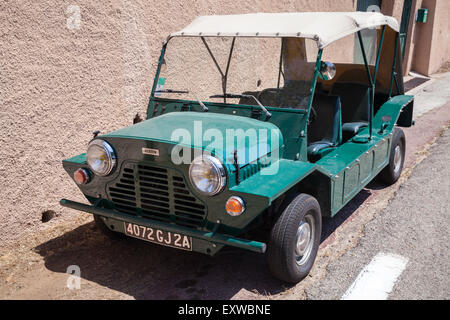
{"x": 101, "y": 157}
{"x": 207, "y": 174}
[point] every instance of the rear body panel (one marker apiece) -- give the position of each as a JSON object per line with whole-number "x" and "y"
{"x": 354, "y": 164}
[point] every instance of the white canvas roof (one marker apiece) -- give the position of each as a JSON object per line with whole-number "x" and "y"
{"x": 323, "y": 27}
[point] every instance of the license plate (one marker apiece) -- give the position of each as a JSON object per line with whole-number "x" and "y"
{"x": 166, "y": 238}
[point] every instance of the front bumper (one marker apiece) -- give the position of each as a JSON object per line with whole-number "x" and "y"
{"x": 205, "y": 237}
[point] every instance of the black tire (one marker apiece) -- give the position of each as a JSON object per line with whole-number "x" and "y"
{"x": 393, "y": 170}
{"x": 284, "y": 263}
{"x": 100, "y": 224}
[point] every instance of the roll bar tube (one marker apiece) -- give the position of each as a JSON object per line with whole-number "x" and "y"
{"x": 372, "y": 81}
{"x": 314, "y": 82}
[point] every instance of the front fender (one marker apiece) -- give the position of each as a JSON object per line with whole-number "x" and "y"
{"x": 277, "y": 180}
{"x": 399, "y": 108}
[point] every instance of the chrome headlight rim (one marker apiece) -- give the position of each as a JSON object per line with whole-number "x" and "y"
{"x": 216, "y": 165}
{"x": 111, "y": 156}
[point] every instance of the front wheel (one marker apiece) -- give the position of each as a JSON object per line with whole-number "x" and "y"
{"x": 294, "y": 239}
{"x": 393, "y": 170}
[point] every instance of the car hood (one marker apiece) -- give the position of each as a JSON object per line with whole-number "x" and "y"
{"x": 212, "y": 132}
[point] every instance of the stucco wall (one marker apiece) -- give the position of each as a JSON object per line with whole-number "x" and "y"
{"x": 440, "y": 47}
{"x": 59, "y": 83}
{"x": 393, "y": 8}
{"x": 428, "y": 48}
{"x": 422, "y": 38}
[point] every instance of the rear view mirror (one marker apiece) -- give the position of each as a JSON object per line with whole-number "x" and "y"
{"x": 327, "y": 70}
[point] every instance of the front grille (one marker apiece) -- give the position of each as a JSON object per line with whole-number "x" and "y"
{"x": 156, "y": 193}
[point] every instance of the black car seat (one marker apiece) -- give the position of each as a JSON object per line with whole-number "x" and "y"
{"x": 325, "y": 132}
{"x": 355, "y": 99}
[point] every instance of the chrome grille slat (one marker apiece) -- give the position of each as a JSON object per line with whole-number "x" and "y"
{"x": 123, "y": 186}
{"x": 155, "y": 186}
{"x": 189, "y": 204}
{"x": 155, "y": 196}
{"x": 126, "y": 181}
{"x": 120, "y": 190}
{"x": 152, "y": 180}
{"x": 156, "y": 203}
{"x": 187, "y": 198}
{"x": 156, "y": 193}
{"x": 187, "y": 209}
{"x": 150, "y": 176}
{"x": 121, "y": 196}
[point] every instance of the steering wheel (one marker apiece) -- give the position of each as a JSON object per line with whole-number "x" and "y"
{"x": 277, "y": 91}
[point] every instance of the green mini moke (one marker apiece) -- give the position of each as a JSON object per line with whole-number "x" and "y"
{"x": 252, "y": 135}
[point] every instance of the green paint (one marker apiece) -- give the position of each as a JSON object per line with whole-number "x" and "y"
{"x": 79, "y": 159}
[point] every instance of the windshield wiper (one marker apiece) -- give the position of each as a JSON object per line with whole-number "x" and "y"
{"x": 171, "y": 91}
{"x": 238, "y": 96}
{"x": 205, "y": 108}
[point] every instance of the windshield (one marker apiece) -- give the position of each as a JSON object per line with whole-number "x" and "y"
{"x": 275, "y": 72}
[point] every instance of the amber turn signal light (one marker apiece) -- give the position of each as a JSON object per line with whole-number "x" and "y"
{"x": 235, "y": 206}
{"x": 81, "y": 176}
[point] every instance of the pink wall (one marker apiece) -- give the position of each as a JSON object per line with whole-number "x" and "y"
{"x": 429, "y": 42}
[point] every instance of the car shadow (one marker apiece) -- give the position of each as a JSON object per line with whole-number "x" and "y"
{"x": 149, "y": 271}
{"x": 329, "y": 225}
{"x": 376, "y": 185}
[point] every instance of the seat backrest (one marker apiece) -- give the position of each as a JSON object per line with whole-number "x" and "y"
{"x": 327, "y": 126}
{"x": 355, "y": 99}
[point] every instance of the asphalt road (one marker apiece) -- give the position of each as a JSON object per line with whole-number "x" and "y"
{"x": 415, "y": 225}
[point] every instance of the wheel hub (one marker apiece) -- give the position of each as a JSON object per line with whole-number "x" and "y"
{"x": 304, "y": 239}
{"x": 397, "y": 159}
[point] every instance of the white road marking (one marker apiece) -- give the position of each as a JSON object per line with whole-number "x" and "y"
{"x": 377, "y": 279}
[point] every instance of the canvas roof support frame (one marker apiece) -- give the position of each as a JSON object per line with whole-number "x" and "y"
{"x": 224, "y": 75}
{"x": 372, "y": 80}
{"x": 394, "y": 65}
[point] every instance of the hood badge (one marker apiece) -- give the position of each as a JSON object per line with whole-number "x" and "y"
{"x": 152, "y": 152}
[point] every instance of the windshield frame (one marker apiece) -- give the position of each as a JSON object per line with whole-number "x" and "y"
{"x": 298, "y": 110}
